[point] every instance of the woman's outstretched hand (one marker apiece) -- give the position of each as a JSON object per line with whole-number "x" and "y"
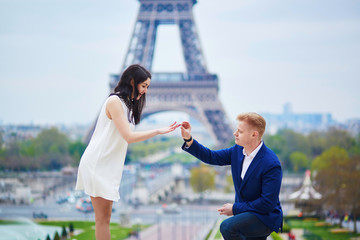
{"x": 170, "y": 128}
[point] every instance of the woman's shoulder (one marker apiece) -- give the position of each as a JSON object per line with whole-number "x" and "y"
{"x": 114, "y": 99}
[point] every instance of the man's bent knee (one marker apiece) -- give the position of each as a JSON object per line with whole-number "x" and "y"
{"x": 225, "y": 229}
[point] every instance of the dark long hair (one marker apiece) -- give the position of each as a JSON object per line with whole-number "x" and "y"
{"x": 124, "y": 90}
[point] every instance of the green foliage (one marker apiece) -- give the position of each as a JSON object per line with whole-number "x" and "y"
{"x": 276, "y": 143}
{"x": 317, "y": 141}
{"x": 340, "y": 138}
{"x": 338, "y": 179}
{"x": 335, "y": 156}
{"x": 352, "y": 189}
{"x": 299, "y": 161}
{"x": 76, "y": 150}
{"x": 275, "y": 236}
{"x": 179, "y": 157}
{"x": 1, "y": 141}
{"x": 56, "y": 236}
{"x": 202, "y": 178}
{"x": 48, "y": 237}
{"x": 319, "y": 232}
{"x": 286, "y": 228}
{"x": 229, "y": 184}
{"x": 284, "y": 143}
{"x": 218, "y": 235}
{"x": 88, "y": 229}
{"x": 50, "y": 150}
{"x": 64, "y": 232}
{"x": 140, "y": 150}
{"x": 71, "y": 228}
{"x": 287, "y": 142}
{"x": 51, "y": 141}
{"x": 294, "y": 142}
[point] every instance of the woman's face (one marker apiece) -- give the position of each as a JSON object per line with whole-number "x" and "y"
{"x": 142, "y": 88}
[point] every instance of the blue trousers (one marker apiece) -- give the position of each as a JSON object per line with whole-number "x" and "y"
{"x": 244, "y": 226}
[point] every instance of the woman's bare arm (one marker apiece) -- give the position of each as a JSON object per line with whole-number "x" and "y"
{"x": 115, "y": 111}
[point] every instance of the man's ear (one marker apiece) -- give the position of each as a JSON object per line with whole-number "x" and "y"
{"x": 255, "y": 133}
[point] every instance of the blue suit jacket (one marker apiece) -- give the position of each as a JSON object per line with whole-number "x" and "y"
{"x": 259, "y": 191}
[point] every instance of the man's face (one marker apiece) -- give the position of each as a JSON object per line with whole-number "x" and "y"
{"x": 243, "y": 134}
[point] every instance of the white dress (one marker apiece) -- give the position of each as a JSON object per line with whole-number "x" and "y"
{"x": 101, "y": 165}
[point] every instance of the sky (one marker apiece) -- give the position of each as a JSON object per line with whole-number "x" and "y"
{"x": 56, "y": 55}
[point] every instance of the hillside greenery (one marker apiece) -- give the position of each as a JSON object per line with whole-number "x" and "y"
{"x": 52, "y": 150}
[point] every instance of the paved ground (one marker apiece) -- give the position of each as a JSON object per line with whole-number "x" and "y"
{"x": 166, "y": 231}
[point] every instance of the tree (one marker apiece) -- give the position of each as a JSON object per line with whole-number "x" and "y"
{"x": 341, "y": 138}
{"x": 202, "y": 178}
{"x": 56, "y": 236}
{"x": 1, "y": 141}
{"x": 331, "y": 169}
{"x": 229, "y": 187}
{"x": 285, "y": 142}
{"x": 2, "y": 152}
{"x": 334, "y": 155}
{"x": 71, "y": 229}
{"x": 295, "y": 142}
{"x": 76, "y": 150}
{"x": 53, "y": 148}
{"x": 64, "y": 233}
{"x": 352, "y": 189}
{"x": 317, "y": 143}
{"x": 48, "y": 237}
{"x": 355, "y": 150}
{"x": 276, "y": 143}
{"x": 299, "y": 161}
{"x": 13, "y": 159}
{"x": 51, "y": 141}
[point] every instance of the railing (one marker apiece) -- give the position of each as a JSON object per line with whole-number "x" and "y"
{"x": 179, "y": 77}
{"x": 172, "y": 77}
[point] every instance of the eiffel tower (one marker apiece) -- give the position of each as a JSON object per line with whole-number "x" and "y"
{"x": 195, "y": 91}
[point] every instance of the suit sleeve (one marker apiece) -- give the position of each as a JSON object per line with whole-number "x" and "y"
{"x": 271, "y": 183}
{"x": 214, "y": 157}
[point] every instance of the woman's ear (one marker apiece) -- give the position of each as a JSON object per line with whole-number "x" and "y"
{"x": 132, "y": 82}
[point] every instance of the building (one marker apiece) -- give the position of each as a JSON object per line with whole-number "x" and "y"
{"x": 300, "y": 122}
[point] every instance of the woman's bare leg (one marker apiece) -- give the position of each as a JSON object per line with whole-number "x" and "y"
{"x": 102, "y": 209}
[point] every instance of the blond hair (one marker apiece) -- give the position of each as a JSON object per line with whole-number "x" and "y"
{"x": 254, "y": 120}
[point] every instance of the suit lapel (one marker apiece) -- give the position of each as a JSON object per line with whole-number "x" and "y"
{"x": 241, "y": 166}
{"x": 255, "y": 162}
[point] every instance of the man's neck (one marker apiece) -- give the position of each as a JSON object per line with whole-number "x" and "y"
{"x": 251, "y": 147}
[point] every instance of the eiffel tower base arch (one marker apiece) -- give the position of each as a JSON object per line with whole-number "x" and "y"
{"x": 199, "y": 100}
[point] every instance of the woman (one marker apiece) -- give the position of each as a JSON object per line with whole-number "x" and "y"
{"x": 102, "y": 163}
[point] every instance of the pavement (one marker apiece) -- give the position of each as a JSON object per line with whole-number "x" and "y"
{"x": 166, "y": 231}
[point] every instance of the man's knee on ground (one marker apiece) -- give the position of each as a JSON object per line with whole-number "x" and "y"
{"x": 224, "y": 227}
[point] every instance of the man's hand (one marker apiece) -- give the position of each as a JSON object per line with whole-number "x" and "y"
{"x": 185, "y": 130}
{"x": 226, "y": 209}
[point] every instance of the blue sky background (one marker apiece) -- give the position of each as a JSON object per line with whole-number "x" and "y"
{"x": 56, "y": 56}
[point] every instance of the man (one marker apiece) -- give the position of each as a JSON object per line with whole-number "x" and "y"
{"x": 256, "y": 173}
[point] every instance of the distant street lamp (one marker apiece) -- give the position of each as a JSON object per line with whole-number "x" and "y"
{"x": 159, "y": 212}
